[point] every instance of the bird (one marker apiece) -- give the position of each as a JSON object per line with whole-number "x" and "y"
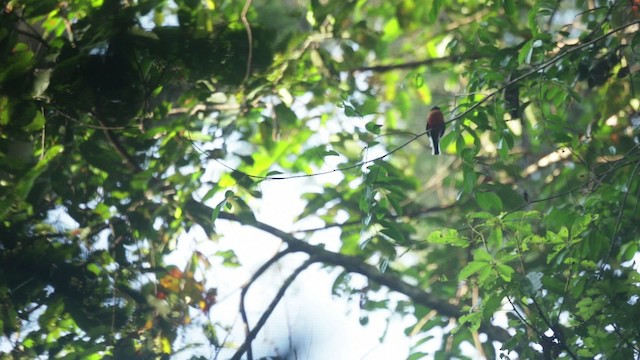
{"x": 435, "y": 127}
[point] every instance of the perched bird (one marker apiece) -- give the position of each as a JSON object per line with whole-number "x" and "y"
{"x": 435, "y": 126}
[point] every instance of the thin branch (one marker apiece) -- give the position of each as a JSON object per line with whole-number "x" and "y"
{"x": 415, "y": 64}
{"x": 36, "y": 37}
{"x": 131, "y": 164}
{"x": 243, "y": 17}
{"x": 243, "y": 294}
{"x": 34, "y": 34}
{"x": 246, "y": 346}
{"x": 226, "y": 337}
{"x": 616, "y": 227}
{"x": 539, "y": 333}
{"x": 354, "y": 265}
{"x": 597, "y": 180}
{"x": 358, "y": 222}
{"x": 556, "y": 332}
{"x": 492, "y": 94}
{"x": 467, "y": 20}
{"x": 340, "y": 169}
{"x": 101, "y": 126}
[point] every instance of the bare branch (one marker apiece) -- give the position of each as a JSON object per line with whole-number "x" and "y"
{"x": 245, "y": 288}
{"x": 246, "y": 346}
{"x": 131, "y": 163}
{"x": 243, "y": 17}
{"x": 415, "y": 64}
{"x": 411, "y": 215}
{"x": 616, "y": 228}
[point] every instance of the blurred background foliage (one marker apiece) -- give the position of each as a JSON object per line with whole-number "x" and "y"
{"x": 112, "y": 112}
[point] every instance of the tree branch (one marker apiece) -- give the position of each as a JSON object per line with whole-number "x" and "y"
{"x": 415, "y": 64}
{"x": 243, "y": 17}
{"x": 131, "y": 164}
{"x": 416, "y": 214}
{"x": 533, "y": 71}
{"x": 202, "y": 214}
{"x": 246, "y": 346}
{"x": 251, "y": 334}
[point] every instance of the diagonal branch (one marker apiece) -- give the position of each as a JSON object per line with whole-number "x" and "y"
{"x": 246, "y": 346}
{"x": 415, "y": 64}
{"x": 537, "y": 69}
{"x": 414, "y": 214}
{"x": 243, "y": 17}
{"x": 202, "y": 214}
{"x": 251, "y": 334}
{"x": 616, "y": 227}
{"x": 129, "y": 161}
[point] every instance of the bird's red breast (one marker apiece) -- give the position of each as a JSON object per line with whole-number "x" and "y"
{"x": 435, "y": 126}
{"x": 435, "y": 118}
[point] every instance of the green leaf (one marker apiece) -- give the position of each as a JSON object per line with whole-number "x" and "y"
{"x": 373, "y": 128}
{"x": 365, "y": 202}
{"x": 285, "y": 117}
{"x": 481, "y": 254}
{"x": 505, "y": 271}
{"x": 524, "y": 56}
{"x": 495, "y": 237}
{"x": 434, "y": 11}
{"x": 509, "y": 7}
{"x": 489, "y": 201}
{"x": 449, "y": 236}
{"x": 384, "y": 264}
{"x": 95, "y": 269}
{"x": 469, "y": 177}
{"x": 350, "y": 110}
{"x": 25, "y": 184}
{"x": 216, "y": 211}
{"x": 472, "y": 268}
{"x": 229, "y": 258}
{"x": 393, "y": 232}
{"x": 472, "y": 320}
{"x": 330, "y": 153}
{"x": 491, "y": 303}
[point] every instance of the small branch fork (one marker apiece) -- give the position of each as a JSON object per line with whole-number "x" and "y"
{"x": 252, "y": 333}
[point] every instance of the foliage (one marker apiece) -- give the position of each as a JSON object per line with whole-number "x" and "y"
{"x": 113, "y": 113}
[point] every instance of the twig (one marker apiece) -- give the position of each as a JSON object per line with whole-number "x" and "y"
{"x": 101, "y": 126}
{"x": 456, "y": 118}
{"x": 414, "y": 64}
{"x": 558, "y": 337}
{"x": 226, "y": 337}
{"x": 131, "y": 164}
{"x": 357, "y": 222}
{"x": 246, "y": 346}
{"x": 243, "y": 17}
{"x": 245, "y": 289}
{"x": 616, "y": 227}
{"x": 341, "y": 169}
{"x": 596, "y": 180}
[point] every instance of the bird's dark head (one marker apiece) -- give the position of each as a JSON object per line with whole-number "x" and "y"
{"x": 435, "y": 108}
